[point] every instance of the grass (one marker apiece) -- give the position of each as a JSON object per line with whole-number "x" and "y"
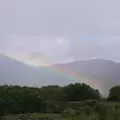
{"x": 76, "y": 111}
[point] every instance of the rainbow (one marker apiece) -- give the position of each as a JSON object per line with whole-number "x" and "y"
{"x": 74, "y": 76}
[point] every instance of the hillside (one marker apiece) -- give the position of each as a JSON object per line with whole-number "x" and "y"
{"x": 16, "y": 73}
{"x": 101, "y": 74}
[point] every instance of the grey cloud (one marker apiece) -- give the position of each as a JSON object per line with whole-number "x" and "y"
{"x": 67, "y": 17}
{"x": 7, "y": 17}
{"x": 61, "y": 30}
{"x": 63, "y": 18}
{"x": 36, "y": 56}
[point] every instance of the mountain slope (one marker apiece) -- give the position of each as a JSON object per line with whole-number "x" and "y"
{"x": 16, "y": 73}
{"x": 101, "y": 74}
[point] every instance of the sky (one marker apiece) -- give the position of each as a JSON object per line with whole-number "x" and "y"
{"x": 43, "y": 32}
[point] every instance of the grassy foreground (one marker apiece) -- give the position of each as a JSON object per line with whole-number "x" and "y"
{"x": 90, "y": 110}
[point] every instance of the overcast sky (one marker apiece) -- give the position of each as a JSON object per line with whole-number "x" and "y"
{"x": 50, "y": 31}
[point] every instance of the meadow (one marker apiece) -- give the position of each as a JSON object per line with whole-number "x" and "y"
{"x": 87, "y": 110}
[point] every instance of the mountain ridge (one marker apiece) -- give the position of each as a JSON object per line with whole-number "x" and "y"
{"x": 101, "y": 74}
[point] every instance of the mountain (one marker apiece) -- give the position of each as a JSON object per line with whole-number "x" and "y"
{"x": 13, "y": 72}
{"x": 101, "y": 74}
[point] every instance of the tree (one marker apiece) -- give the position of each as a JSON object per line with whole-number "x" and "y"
{"x": 52, "y": 93}
{"x": 114, "y": 94}
{"x": 77, "y": 92}
{"x": 15, "y": 99}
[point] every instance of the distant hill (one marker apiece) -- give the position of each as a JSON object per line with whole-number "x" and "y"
{"x": 101, "y": 74}
{"x": 13, "y": 72}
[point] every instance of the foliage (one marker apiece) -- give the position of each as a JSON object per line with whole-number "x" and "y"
{"x": 81, "y": 111}
{"x": 52, "y": 93}
{"x": 114, "y": 94}
{"x": 71, "y": 102}
{"x": 17, "y": 99}
{"x": 77, "y": 92}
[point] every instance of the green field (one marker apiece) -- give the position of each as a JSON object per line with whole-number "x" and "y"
{"x": 89, "y": 110}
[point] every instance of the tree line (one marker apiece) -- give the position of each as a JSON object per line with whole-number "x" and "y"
{"x": 17, "y": 99}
